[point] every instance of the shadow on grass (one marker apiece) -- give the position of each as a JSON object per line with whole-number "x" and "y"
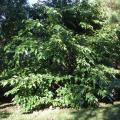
{"x": 2, "y": 106}
{"x": 84, "y": 114}
{"x": 4, "y": 114}
{"x": 112, "y": 113}
{"x": 104, "y": 113}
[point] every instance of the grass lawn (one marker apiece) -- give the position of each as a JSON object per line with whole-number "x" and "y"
{"x": 105, "y": 112}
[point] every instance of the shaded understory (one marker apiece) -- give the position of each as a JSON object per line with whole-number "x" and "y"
{"x": 105, "y": 112}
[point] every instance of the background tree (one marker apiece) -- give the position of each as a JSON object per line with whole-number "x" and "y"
{"x": 12, "y": 12}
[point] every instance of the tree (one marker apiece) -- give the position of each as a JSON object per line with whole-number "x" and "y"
{"x": 63, "y": 56}
{"x": 12, "y": 12}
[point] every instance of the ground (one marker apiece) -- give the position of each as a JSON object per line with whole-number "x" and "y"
{"x": 8, "y": 111}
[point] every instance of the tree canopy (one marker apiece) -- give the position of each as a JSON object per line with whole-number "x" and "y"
{"x": 60, "y": 53}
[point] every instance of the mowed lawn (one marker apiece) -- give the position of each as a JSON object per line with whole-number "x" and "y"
{"x": 105, "y": 112}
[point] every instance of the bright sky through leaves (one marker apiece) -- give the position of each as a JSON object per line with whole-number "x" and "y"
{"x": 32, "y": 1}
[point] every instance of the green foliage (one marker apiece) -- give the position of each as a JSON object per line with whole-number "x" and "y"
{"x": 48, "y": 63}
{"x": 13, "y": 11}
{"x": 83, "y": 17}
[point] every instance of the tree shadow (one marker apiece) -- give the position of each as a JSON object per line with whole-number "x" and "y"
{"x": 6, "y": 105}
{"x": 84, "y": 114}
{"x": 112, "y": 113}
{"x": 104, "y": 113}
{"x": 5, "y": 110}
{"x": 4, "y": 114}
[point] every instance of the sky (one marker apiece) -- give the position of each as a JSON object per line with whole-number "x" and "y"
{"x": 32, "y": 1}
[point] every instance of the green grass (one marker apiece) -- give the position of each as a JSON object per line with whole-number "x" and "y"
{"x": 106, "y": 112}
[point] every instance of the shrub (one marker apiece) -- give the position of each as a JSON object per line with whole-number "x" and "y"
{"x": 47, "y": 64}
